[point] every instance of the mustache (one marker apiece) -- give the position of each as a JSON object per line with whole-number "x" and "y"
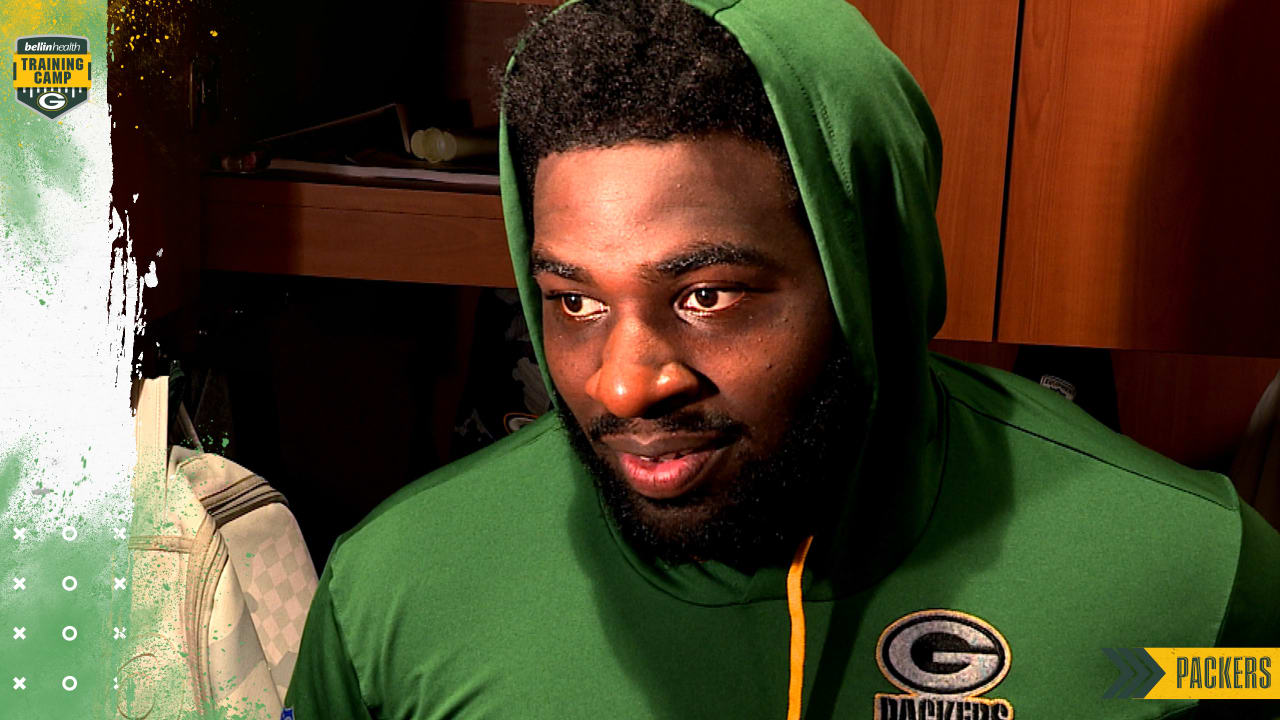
{"x": 603, "y": 426}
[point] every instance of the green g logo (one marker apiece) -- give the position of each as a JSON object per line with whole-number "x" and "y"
{"x": 943, "y": 652}
{"x": 51, "y": 101}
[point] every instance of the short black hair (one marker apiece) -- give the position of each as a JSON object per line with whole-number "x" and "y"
{"x": 603, "y": 72}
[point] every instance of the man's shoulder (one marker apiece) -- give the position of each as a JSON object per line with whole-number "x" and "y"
{"x": 1075, "y": 505}
{"x": 508, "y": 492}
{"x": 1032, "y": 419}
{"x": 438, "y": 580}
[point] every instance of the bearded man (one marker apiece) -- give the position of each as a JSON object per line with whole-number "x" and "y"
{"x": 759, "y": 496}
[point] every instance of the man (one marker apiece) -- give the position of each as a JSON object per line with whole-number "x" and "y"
{"x": 759, "y": 495}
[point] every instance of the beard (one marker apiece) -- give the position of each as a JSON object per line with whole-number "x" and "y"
{"x": 761, "y": 516}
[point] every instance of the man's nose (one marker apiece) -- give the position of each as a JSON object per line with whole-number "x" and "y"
{"x": 639, "y": 372}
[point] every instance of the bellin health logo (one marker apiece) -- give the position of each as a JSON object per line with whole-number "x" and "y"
{"x": 51, "y": 73}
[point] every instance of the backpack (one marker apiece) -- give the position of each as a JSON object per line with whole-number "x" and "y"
{"x": 220, "y": 582}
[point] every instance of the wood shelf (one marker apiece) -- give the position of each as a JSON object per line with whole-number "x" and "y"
{"x": 365, "y": 232}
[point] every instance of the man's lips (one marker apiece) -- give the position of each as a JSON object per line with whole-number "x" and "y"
{"x": 663, "y": 467}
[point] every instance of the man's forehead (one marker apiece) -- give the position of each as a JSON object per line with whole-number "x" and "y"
{"x": 716, "y": 171}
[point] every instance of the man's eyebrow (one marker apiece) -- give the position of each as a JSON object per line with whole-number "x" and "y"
{"x": 706, "y": 255}
{"x": 540, "y": 263}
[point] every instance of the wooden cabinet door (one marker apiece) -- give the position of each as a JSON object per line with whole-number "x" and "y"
{"x": 1144, "y": 206}
{"x": 962, "y": 55}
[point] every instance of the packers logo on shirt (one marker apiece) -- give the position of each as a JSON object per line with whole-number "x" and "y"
{"x": 944, "y": 660}
{"x": 51, "y": 73}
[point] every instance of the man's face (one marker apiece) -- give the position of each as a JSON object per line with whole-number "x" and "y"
{"x": 687, "y": 328}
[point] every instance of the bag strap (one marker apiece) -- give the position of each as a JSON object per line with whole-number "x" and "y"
{"x": 151, "y": 428}
{"x": 206, "y": 554}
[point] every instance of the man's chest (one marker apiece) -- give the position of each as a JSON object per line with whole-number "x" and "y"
{"x": 880, "y": 656}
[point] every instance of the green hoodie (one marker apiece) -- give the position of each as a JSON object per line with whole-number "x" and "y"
{"x": 988, "y": 515}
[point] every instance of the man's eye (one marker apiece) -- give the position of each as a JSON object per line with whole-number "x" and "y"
{"x": 580, "y": 306}
{"x": 711, "y": 299}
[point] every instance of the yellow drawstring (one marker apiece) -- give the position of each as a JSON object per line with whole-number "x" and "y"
{"x": 795, "y": 607}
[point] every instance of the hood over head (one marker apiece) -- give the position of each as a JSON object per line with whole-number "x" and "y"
{"x": 866, "y": 154}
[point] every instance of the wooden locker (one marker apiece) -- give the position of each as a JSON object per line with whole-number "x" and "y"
{"x": 1144, "y": 212}
{"x": 962, "y": 54}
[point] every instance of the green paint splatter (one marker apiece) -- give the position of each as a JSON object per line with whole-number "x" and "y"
{"x": 38, "y": 154}
{"x": 11, "y": 470}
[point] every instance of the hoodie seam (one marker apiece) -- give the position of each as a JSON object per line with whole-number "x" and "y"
{"x": 344, "y": 646}
{"x": 944, "y": 427}
{"x": 819, "y": 114}
{"x": 1232, "y": 597}
{"x": 1180, "y": 711}
{"x": 730, "y": 6}
{"x": 1085, "y": 453}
